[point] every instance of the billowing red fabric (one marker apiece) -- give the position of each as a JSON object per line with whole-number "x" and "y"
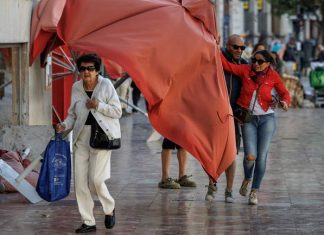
{"x": 114, "y": 70}
{"x": 169, "y": 50}
{"x": 44, "y": 23}
{"x": 6, "y": 52}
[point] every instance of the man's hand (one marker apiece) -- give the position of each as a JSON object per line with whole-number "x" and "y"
{"x": 92, "y": 104}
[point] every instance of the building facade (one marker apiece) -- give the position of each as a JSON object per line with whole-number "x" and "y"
{"x": 27, "y": 92}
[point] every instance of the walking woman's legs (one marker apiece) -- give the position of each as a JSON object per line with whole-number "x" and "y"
{"x": 81, "y": 181}
{"x": 249, "y": 134}
{"x": 99, "y": 172}
{"x": 266, "y": 129}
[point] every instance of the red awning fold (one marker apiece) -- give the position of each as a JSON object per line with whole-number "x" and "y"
{"x": 169, "y": 50}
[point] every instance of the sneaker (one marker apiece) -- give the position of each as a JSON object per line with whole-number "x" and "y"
{"x": 253, "y": 198}
{"x": 169, "y": 183}
{"x": 229, "y": 197}
{"x": 244, "y": 187}
{"x": 184, "y": 181}
{"x": 212, "y": 189}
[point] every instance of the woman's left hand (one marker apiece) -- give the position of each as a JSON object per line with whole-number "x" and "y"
{"x": 284, "y": 105}
{"x": 92, "y": 104}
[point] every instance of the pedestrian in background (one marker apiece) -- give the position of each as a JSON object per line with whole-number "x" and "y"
{"x": 290, "y": 56}
{"x": 183, "y": 180}
{"x": 278, "y": 65}
{"x": 258, "y": 80}
{"x": 258, "y": 47}
{"x": 123, "y": 92}
{"x": 136, "y": 95}
{"x": 94, "y": 100}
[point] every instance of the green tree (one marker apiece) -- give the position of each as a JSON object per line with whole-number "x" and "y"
{"x": 300, "y": 7}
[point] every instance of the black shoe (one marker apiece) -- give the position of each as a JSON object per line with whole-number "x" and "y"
{"x": 110, "y": 220}
{"x": 85, "y": 228}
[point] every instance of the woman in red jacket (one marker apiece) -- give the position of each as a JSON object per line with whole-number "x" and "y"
{"x": 259, "y": 82}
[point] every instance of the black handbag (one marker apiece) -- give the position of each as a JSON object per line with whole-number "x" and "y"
{"x": 245, "y": 115}
{"x": 99, "y": 139}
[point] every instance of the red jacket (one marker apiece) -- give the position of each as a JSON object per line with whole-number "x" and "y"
{"x": 270, "y": 79}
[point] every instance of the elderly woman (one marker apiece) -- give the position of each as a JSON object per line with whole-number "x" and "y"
{"x": 94, "y": 101}
{"x": 258, "y": 81}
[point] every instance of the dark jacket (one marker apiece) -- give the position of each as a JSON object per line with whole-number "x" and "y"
{"x": 236, "y": 81}
{"x": 290, "y": 53}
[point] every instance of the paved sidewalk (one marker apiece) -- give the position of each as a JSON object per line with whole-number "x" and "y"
{"x": 291, "y": 200}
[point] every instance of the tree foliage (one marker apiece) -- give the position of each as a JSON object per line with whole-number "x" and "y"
{"x": 293, "y": 7}
{"x": 299, "y": 8}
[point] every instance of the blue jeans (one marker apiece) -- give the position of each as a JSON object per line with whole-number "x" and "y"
{"x": 257, "y": 136}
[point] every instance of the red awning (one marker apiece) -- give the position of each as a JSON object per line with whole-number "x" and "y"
{"x": 169, "y": 50}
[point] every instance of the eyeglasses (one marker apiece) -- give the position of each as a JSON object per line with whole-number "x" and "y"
{"x": 236, "y": 47}
{"x": 259, "y": 62}
{"x": 89, "y": 68}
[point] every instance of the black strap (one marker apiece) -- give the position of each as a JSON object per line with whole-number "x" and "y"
{"x": 256, "y": 96}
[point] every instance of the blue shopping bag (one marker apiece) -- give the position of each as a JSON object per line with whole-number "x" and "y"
{"x": 55, "y": 174}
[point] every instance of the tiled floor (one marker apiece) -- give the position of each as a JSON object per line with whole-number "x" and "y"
{"x": 291, "y": 200}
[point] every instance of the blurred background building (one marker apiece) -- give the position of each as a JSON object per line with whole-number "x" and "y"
{"x": 27, "y": 92}
{"x": 264, "y": 19}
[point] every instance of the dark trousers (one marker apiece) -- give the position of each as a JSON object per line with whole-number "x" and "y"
{"x": 136, "y": 94}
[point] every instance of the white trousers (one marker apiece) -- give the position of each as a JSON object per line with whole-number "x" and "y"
{"x": 91, "y": 170}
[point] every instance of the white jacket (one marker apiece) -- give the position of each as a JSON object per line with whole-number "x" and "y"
{"x": 107, "y": 113}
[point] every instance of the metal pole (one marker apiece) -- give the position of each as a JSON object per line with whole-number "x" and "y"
{"x": 63, "y": 74}
{"x": 56, "y": 114}
{"x": 30, "y": 168}
{"x": 67, "y": 58}
{"x": 121, "y": 80}
{"x": 133, "y": 106}
{"x": 61, "y": 63}
{"x": 5, "y": 84}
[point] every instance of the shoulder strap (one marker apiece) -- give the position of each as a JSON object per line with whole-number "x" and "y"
{"x": 256, "y": 96}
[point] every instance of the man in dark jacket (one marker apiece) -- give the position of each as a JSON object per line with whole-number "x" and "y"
{"x": 233, "y": 52}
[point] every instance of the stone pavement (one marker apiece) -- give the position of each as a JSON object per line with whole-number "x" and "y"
{"x": 291, "y": 200}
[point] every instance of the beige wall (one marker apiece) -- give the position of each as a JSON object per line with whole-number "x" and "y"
{"x": 15, "y": 21}
{"x": 40, "y": 97}
{"x": 15, "y": 18}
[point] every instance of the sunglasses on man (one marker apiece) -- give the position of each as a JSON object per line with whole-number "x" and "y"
{"x": 236, "y": 47}
{"x": 89, "y": 68}
{"x": 259, "y": 62}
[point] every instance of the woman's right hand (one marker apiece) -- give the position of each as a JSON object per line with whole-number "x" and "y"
{"x": 60, "y": 127}
{"x": 284, "y": 105}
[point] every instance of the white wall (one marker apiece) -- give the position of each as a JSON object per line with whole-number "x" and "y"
{"x": 15, "y": 18}
{"x": 220, "y": 18}
{"x": 286, "y": 28}
{"x": 40, "y": 96}
{"x": 15, "y": 21}
{"x": 237, "y": 17}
